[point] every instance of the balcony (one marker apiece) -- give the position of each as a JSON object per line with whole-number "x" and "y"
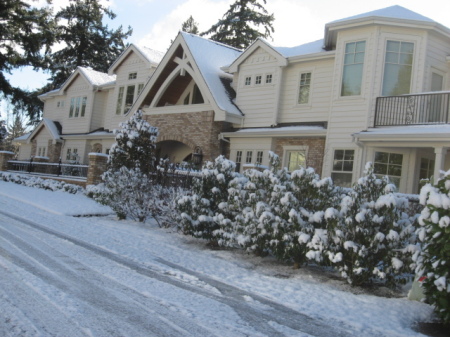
{"x": 420, "y": 109}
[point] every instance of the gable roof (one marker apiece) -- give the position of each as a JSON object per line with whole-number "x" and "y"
{"x": 210, "y": 56}
{"x": 150, "y": 56}
{"x": 54, "y": 128}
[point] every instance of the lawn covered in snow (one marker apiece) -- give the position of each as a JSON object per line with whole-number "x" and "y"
{"x": 308, "y": 291}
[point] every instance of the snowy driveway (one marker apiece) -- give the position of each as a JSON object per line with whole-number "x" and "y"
{"x": 67, "y": 276}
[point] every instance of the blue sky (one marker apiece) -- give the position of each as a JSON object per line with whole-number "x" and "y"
{"x": 156, "y": 22}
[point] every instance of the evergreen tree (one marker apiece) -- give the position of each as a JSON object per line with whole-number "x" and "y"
{"x": 240, "y": 25}
{"x": 190, "y": 26}
{"x": 87, "y": 42}
{"x": 3, "y": 132}
{"x": 26, "y": 35}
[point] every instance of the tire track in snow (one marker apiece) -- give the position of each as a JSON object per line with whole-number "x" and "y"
{"x": 260, "y": 314}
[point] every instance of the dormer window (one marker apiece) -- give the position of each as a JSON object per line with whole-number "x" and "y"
{"x": 268, "y": 78}
{"x": 258, "y": 79}
{"x": 248, "y": 80}
{"x": 132, "y": 76}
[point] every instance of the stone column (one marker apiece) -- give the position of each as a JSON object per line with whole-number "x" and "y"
{"x": 97, "y": 165}
{"x": 5, "y": 156}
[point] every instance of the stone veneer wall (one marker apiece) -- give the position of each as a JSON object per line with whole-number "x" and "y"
{"x": 54, "y": 151}
{"x": 97, "y": 165}
{"x": 192, "y": 129}
{"x": 316, "y": 150}
{"x": 5, "y": 156}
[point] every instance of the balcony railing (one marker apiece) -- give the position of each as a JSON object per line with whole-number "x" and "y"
{"x": 421, "y": 109}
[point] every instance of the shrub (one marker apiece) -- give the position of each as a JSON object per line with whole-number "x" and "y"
{"x": 433, "y": 261}
{"x": 369, "y": 232}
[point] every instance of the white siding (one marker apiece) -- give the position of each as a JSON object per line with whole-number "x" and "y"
{"x": 257, "y": 101}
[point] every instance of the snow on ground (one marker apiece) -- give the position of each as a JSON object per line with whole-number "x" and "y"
{"x": 200, "y": 285}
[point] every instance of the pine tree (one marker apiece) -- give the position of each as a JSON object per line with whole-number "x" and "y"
{"x": 240, "y": 25}
{"x": 26, "y": 35}
{"x": 190, "y": 26}
{"x": 87, "y": 41}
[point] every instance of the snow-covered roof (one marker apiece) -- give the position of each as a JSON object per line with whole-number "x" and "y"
{"x": 97, "y": 78}
{"x": 413, "y": 132}
{"x": 153, "y": 56}
{"x": 304, "y": 49}
{"x": 210, "y": 56}
{"x": 392, "y": 12}
{"x": 278, "y": 131}
{"x": 52, "y": 128}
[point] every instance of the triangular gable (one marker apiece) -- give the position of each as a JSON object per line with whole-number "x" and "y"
{"x": 258, "y": 43}
{"x": 202, "y": 59}
{"x": 78, "y": 72}
{"x": 150, "y": 57}
{"x": 53, "y": 128}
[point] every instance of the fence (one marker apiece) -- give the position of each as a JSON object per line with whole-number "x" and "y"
{"x": 52, "y": 169}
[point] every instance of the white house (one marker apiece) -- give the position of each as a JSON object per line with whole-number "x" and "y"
{"x": 375, "y": 88}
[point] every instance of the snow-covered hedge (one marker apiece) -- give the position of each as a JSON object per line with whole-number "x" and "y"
{"x": 47, "y": 184}
{"x": 434, "y": 259}
{"x": 363, "y": 231}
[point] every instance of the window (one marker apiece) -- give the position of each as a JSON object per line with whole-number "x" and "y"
{"x": 41, "y": 151}
{"x": 140, "y": 87}
{"x": 268, "y": 78}
{"x": 426, "y": 168}
{"x": 389, "y": 164}
{"x": 259, "y": 157}
{"x": 132, "y": 76}
{"x": 129, "y": 98}
{"x": 197, "y": 97}
{"x": 397, "y": 68}
{"x": 295, "y": 159}
{"x": 60, "y": 104}
{"x": 248, "y": 158}
{"x": 248, "y": 80}
{"x": 69, "y": 154}
{"x": 305, "y": 84}
{"x": 343, "y": 167}
{"x": 353, "y": 68}
{"x": 238, "y": 161}
{"x": 119, "y": 101}
{"x": 77, "y": 106}
{"x": 258, "y": 79}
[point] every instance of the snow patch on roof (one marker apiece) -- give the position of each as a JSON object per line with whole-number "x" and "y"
{"x": 97, "y": 78}
{"x": 210, "y": 56}
{"x": 153, "y": 56}
{"x": 298, "y": 128}
{"x": 392, "y": 12}
{"x": 304, "y": 49}
{"x": 52, "y": 128}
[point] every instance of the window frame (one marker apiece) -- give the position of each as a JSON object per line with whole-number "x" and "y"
{"x": 294, "y": 148}
{"x": 302, "y": 85}
{"x": 389, "y": 166}
{"x": 385, "y": 63}
{"x": 344, "y": 160}
{"x": 346, "y": 66}
{"x": 78, "y": 105}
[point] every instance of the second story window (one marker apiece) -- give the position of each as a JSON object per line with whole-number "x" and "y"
{"x": 304, "y": 89}
{"x": 353, "y": 68}
{"x": 77, "y": 107}
{"x": 126, "y": 97}
{"x": 129, "y": 98}
{"x": 132, "y": 76}
{"x": 397, "y": 68}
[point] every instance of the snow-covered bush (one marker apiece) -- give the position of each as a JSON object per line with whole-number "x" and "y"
{"x": 434, "y": 259}
{"x": 128, "y": 185}
{"x": 135, "y": 145}
{"x": 46, "y": 184}
{"x": 206, "y": 213}
{"x": 314, "y": 196}
{"x": 369, "y": 232}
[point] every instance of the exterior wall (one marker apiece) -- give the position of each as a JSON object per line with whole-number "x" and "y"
{"x": 99, "y": 110}
{"x": 78, "y": 88}
{"x": 192, "y": 129}
{"x": 82, "y": 149}
{"x": 318, "y": 107}
{"x": 251, "y": 144}
{"x": 258, "y": 101}
{"x": 314, "y": 154}
{"x": 437, "y": 51}
{"x": 133, "y": 63}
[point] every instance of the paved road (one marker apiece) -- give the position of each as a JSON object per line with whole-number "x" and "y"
{"x": 51, "y": 285}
